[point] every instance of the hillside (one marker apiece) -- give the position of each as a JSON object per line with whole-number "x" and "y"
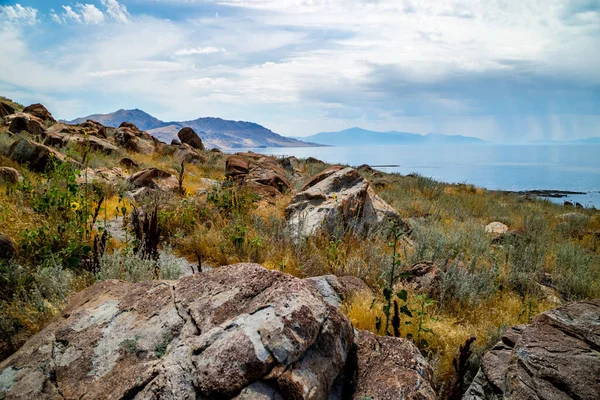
{"x": 363, "y": 137}
{"x": 215, "y": 132}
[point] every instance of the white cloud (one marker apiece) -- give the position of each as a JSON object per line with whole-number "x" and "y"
{"x": 69, "y": 14}
{"x": 116, "y": 10}
{"x": 332, "y": 62}
{"x": 19, "y": 14}
{"x": 90, "y": 14}
{"x": 199, "y": 50}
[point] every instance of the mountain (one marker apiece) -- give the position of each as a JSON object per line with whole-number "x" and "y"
{"x": 215, "y": 132}
{"x": 363, "y": 137}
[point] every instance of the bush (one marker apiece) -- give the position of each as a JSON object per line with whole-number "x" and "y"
{"x": 128, "y": 266}
{"x": 576, "y": 273}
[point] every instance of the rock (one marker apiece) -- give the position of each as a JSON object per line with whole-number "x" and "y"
{"x": 94, "y": 128}
{"x": 366, "y": 169}
{"x": 188, "y": 136}
{"x": 175, "y": 142}
{"x": 185, "y": 153}
{"x": 94, "y": 143}
{"x": 39, "y": 111}
{"x": 568, "y": 204}
{"x": 8, "y": 250}
{"x": 579, "y": 205}
{"x": 263, "y": 175}
{"x": 111, "y": 175}
{"x": 354, "y": 286}
{"x": 131, "y": 138}
{"x": 497, "y": 228}
{"x": 343, "y": 200}
{"x": 573, "y": 217}
{"x": 238, "y": 330}
{"x": 142, "y": 193}
{"x": 128, "y": 163}
{"x": 10, "y": 175}
{"x": 216, "y": 150}
{"x": 556, "y": 357}
{"x": 326, "y": 173}
{"x": 36, "y": 156}
{"x": 154, "y": 178}
{"x": 391, "y": 368}
{"x": 425, "y": 277}
{"x": 6, "y": 109}
{"x": 312, "y": 160}
{"x": 336, "y": 290}
{"x": 236, "y": 166}
{"x": 22, "y": 122}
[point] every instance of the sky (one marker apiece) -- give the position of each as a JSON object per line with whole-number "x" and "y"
{"x": 501, "y": 70}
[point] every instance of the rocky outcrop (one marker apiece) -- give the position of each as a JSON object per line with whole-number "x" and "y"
{"x": 556, "y": 357}
{"x": 239, "y": 330}
{"x": 10, "y": 175}
{"x": 8, "y": 250}
{"x": 39, "y": 111}
{"x": 390, "y": 368}
{"x": 153, "y": 178}
{"x": 343, "y": 200}
{"x": 129, "y": 137}
{"x": 190, "y": 137}
{"x": 262, "y": 174}
{"x": 326, "y": 173}
{"x": 25, "y": 123}
{"x": 36, "y": 156}
{"x": 187, "y": 154}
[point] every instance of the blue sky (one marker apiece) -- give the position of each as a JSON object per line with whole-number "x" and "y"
{"x": 504, "y": 70}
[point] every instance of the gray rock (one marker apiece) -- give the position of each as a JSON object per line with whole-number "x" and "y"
{"x": 239, "y": 330}
{"x": 10, "y": 175}
{"x": 342, "y": 200}
{"x": 556, "y": 357}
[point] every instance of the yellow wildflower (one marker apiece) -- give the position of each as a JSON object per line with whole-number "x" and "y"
{"x": 74, "y": 206}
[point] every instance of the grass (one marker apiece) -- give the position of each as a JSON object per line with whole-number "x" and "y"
{"x": 486, "y": 283}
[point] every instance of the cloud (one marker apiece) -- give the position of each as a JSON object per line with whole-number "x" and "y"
{"x": 116, "y": 10}
{"x": 199, "y": 50}
{"x": 18, "y": 14}
{"x": 90, "y": 14}
{"x": 300, "y": 66}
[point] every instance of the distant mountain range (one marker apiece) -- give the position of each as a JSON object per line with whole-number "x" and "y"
{"x": 214, "y": 132}
{"x": 592, "y": 140}
{"x": 363, "y": 137}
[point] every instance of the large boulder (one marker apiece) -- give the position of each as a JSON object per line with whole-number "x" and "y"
{"x": 326, "y": 173}
{"x": 190, "y": 137}
{"x": 556, "y": 357}
{"x": 153, "y": 178}
{"x": 37, "y": 156}
{"x": 22, "y": 122}
{"x": 187, "y": 154}
{"x": 239, "y": 330}
{"x": 337, "y": 290}
{"x": 130, "y": 137}
{"x": 39, "y": 111}
{"x": 264, "y": 175}
{"x": 424, "y": 276}
{"x": 391, "y": 368}
{"x": 341, "y": 201}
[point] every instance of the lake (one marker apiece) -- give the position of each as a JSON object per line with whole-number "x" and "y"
{"x": 499, "y": 167}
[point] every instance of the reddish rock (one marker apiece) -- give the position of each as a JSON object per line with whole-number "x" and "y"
{"x": 23, "y": 122}
{"x": 10, "y": 175}
{"x": 153, "y": 178}
{"x": 189, "y": 136}
{"x": 390, "y": 368}
{"x": 39, "y": 111}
